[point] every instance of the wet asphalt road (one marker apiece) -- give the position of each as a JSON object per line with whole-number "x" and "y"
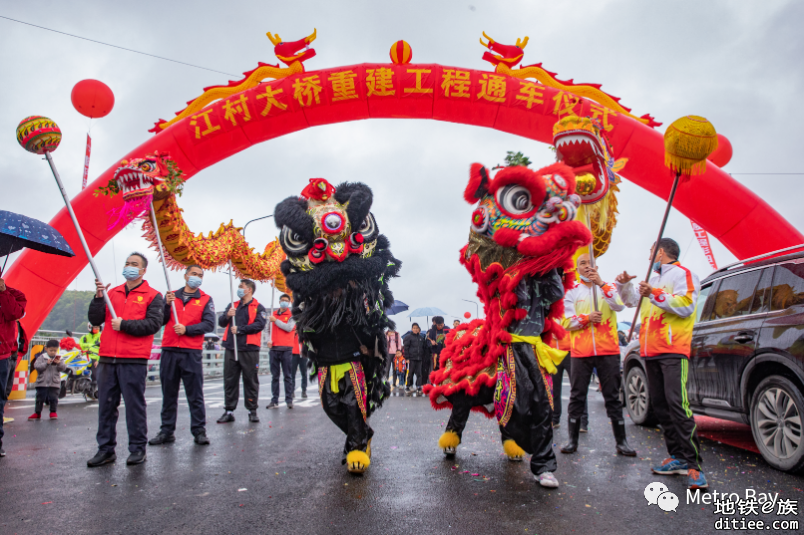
{"x": 283, "y": 475}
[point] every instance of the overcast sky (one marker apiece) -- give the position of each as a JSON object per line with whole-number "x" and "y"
{"x": 739, "y": 64}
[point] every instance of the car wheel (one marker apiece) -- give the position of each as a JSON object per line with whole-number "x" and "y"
{"x": 777, "y": 408}
{"x": 637, "y": 399}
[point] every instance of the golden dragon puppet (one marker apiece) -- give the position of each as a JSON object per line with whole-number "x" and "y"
{"x": 156, "y": 178}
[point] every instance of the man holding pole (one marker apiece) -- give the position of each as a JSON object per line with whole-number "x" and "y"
{"x": 283, "y": 339}
{"x": 124, "y": 350}
{"x": 594, "y": 345}
{"x": 181, "y": 356}
{"x": 245, "y": 319}
{"x": 667, "y": 317}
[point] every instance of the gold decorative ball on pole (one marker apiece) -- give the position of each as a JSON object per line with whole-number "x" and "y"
{"x": 687, "y": 144}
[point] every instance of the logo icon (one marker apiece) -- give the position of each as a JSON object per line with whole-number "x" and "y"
{"x": 658, "y": 494}
{"x": 139, "y": 298}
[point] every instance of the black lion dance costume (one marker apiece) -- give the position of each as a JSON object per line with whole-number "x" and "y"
{"x": 520, "y": 247}
{"x": 338, "y": 267}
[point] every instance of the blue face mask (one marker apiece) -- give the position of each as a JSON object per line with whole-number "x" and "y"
{"x": 241, "y": 293}
{"x": 194, "y": 282}
{"x": 131, "y": 273}
{"x": 657, "y": 267}
{"x": 584, "y": 278}
{"x": 284, "y": 304}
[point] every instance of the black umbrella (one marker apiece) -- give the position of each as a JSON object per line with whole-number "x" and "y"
{"x": 395, "y": 308}
{"x": 18, "y": 231}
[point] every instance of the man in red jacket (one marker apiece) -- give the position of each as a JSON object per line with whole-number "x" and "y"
{"x": 283, "y": 336}
{"x": 125, "y": 346}
{"x": 181, "y": 356}
{"x": 12, "y": 308}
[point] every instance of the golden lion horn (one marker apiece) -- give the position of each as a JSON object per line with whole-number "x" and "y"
{"x": 487, "y": 45}
{"x": 523, "y": 43}
{"x": 275, "y": 39}
{"x": 311, "y": 37}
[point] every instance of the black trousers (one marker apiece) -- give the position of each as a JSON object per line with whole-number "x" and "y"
{"x": 530, "y": 424}
{"x": 281, "y": 359}
{"x": 49, "y": 394}
{"x": 343, "y": 410}
{"x": 128, "y": 381}
{"x": 247, "y": 365}
{"x": 427, "y": 367}
{"x": 462, "y": 405}
{"x": 7, "y": 367}
{"x": 299, "y": 362}
{"x": 415, "y": 368}
{"x": 177, "y": 366}
{"x": 558, "y": 379}
{"x": 667, "y": 383}
{"x": 608, "y": 371}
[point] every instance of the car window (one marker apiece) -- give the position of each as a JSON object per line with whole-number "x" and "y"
{"x": 704, "y": 307}
{"x": 762, "y": 297}
{"x": 788, "y": 286}
{"x": 735, "y": 294}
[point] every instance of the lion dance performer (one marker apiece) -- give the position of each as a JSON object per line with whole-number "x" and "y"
{"x": 521, "y": 242}
{"x": 338, "y": 267}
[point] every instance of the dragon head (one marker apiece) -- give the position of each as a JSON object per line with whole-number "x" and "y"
{"x": 529, "y": 212}
{"x": 137, "y": 178}
{"x": 327, "y": 224}
{"x": 506, "y": 54}
{"x": 289, "y": 53}
{"x": 580, "y": 144}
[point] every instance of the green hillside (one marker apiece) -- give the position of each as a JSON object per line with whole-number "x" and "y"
{"x": 70, "y": 312}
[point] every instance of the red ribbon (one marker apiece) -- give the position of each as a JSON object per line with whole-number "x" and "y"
{"x": 703, "y": 241}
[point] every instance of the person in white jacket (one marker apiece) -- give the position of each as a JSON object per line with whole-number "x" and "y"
{"x": 594, "y": 345}
{"x": 667, "y": 317}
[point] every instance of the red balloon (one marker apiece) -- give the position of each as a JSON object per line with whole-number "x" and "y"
{"x": 467, "y": 315}
{"x": 723, "y": 152}
{"x": 92, "y": 98}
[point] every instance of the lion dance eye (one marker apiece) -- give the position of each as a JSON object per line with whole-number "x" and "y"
{"x": 332, "y": 223}
{"x": 515, "y": 199}
{"x": 147, "y": 166}
{"x": 480, "y": 220}
{"x": 368, "y": 227}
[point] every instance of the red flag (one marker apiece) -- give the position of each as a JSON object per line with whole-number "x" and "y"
{"x": 703, "y": 241}
{"x": 86, "y": 161}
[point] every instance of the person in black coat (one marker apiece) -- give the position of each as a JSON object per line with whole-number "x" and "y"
{"x": 414, "y": 347}
{"x": 436, "y": 338}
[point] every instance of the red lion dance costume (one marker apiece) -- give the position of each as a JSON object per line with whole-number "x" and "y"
{"x": 519, "y": 253}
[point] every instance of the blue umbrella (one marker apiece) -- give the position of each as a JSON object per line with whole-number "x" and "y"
{"x": 18, "y": 232}
{"x": 395, "y": 308}
{"x": 427, "y": 312}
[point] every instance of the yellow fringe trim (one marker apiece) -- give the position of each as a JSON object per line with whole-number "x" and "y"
{"x": 548, "y": 356}
{"x": 512, "y": 449}
{"x": 449, "y": 439}
{"x": 357, "y": 457}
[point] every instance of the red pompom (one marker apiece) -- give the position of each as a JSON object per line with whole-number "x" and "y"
{"x": 478, "y": 183}
{"x": 67, "y": 344}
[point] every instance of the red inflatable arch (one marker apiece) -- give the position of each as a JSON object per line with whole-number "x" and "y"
{"x": 741, "y": 220}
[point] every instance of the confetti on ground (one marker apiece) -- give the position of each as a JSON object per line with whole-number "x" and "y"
{"x": 242, "y": 490}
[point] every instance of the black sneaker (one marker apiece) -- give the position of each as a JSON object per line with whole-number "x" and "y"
{"x": 304, "y": 394}
{"x": 290, "y": 404}
{"x": 2, "y": 452}
{"x": 226, "y": 418}
{"x": 162, "y": 438}
{"x": 556, "y": 425}
{"x": 252, "y": 417}
{"x": 584, "y": 427}
{"x": 138, "y": 457}
{"x": 101, "y": 458}
{"x": 201, "y": 439}
{"x": 272, "y": 405}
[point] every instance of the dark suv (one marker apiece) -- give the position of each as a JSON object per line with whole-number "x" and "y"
{"x": 747, "y": 360}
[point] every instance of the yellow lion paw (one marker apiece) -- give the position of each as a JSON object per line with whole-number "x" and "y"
{"x": 357, "y": 462}
{"x": 448, "y": 442}
{"x": 513, "y": 451}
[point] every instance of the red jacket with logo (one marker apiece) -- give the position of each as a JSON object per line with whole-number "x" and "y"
{"x": 279, "y": 336}
{"x": 142, "y": 315}
{"x": 12, "y": 308}
{"x": 191, "y": 315}
{"x": 251, "y": 330}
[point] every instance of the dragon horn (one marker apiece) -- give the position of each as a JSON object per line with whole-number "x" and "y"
{"x": 522, "y": 44}
{"x": 275, "y": 39}
{"x": 487, "y": 45}
{"x": 311, "y": 37}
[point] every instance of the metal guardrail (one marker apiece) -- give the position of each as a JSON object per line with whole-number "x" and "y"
{"x": 212, "y": 363}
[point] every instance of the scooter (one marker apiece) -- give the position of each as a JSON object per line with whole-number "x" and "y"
{"x": 77, "y": 378}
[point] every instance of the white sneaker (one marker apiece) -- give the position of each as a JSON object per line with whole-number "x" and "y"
{"x": 547, "y": 479}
